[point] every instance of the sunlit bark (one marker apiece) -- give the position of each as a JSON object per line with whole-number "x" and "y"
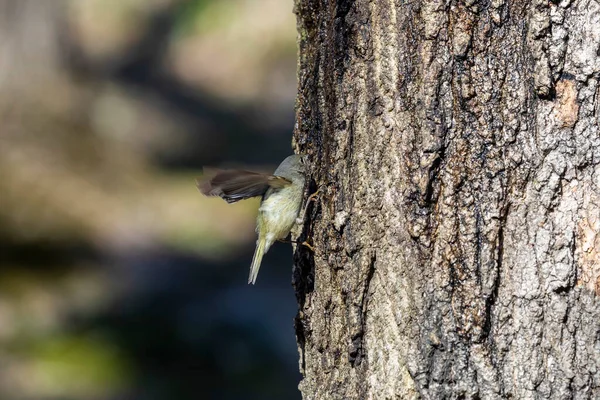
{"x": 456, "y": 238}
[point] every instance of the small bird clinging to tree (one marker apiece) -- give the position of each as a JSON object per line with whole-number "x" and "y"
{"x": 281, "y": 193}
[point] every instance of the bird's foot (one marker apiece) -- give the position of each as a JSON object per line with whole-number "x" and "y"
{"x": 311, "y": 198}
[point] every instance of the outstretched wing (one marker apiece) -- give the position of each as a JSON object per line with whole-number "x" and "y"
{"x": 234, "y": 185}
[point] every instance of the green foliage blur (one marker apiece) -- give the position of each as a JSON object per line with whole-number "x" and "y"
{"x": 118, "y": 280}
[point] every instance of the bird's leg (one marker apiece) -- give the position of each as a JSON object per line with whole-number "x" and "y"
{"x": 312, "y": 197}
{"x": 305, "y": 243}
{"x": 300, "y": 220}
{"x": 287, "y": 241}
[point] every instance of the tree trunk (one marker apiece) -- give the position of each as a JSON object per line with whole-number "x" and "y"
{"x": 456, "y": 246}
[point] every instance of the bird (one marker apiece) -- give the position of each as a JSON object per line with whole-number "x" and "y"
{"x": 281, "y": 193}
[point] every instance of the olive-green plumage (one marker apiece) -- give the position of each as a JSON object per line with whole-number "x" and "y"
{"x": 278, "y": 210}
{"x": 281, "y": 200}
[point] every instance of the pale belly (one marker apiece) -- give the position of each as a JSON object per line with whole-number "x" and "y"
{"x": 278, "y": 218}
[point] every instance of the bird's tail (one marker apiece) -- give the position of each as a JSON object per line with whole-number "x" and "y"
{"x": 261, "y": 249}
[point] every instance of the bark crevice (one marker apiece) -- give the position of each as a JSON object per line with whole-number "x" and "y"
{"x": 458, "y": 142}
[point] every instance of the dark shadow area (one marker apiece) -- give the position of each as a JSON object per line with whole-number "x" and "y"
{"x": 192, "y": 332}
{"x": 188, "y": 328}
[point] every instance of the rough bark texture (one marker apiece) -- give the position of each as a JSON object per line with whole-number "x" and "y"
{"x": 457, "y": 148}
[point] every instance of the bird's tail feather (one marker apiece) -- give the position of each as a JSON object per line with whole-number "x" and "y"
{"x": 261, "y": 249}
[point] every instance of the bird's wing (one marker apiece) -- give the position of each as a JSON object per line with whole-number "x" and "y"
{"x": 234, "y": 185}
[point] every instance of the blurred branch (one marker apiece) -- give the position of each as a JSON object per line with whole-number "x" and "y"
{"x": 28, "y": 50}
{"x": 141, "y": 66}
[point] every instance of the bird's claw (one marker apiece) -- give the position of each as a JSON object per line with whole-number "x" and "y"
{"x": 311, "y": 198}
{"x": 305, "y": 243}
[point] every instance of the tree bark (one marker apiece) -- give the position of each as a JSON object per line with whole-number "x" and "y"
{"x": 456, "y": 246}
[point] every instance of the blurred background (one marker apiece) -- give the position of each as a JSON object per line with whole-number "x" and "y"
{"x": 118, "y": 280}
